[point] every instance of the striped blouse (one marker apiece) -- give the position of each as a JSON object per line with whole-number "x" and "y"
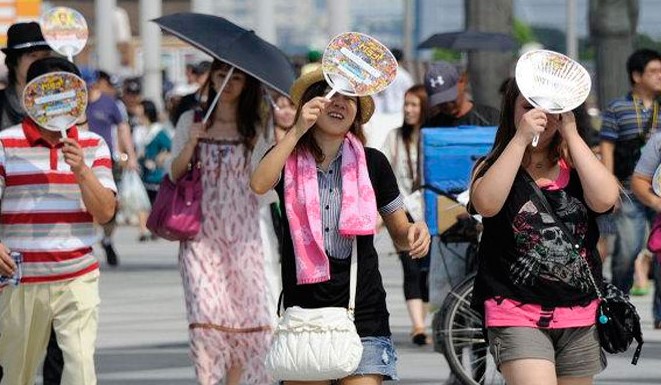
{"x": 330, "y": 198}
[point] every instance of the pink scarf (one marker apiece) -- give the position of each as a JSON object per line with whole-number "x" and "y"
{"x": 357, "y": 213}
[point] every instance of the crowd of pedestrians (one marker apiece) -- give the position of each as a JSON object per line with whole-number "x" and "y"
{"x": 290, "y": 191}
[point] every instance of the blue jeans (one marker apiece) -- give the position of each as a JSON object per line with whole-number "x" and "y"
{"x": 631, "y": 223}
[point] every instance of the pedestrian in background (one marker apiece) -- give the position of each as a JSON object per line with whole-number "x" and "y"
{"x": 641, "y": 186}
{"x": 627, "y": 124}
{"x": 222, "y": 269}
{"x": 533, "y": 286}
{"x": 401, "y": 150}
{"x": 155, "y": 146}
{"x": 25, "y": 44}
{"x": 449, "y": 102}
{"x": 345, "y": 184}
{"x": 103, "y": 118}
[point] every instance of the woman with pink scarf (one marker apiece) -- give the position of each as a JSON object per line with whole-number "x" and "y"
{"x": 333, "y": 188}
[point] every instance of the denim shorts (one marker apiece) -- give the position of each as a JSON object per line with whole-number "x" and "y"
{"x": 379, "y": 357}
{"x": 574, "y": 351}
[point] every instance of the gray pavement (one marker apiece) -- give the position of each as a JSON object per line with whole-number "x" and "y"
{"x": 142, "y": 337}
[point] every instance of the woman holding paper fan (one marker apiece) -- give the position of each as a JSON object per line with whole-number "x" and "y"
{"x": 343, "y": 184}
{"x": 222, "y": 269}
{"x": 533, "y": 285}
{"x": 401, "y": 149}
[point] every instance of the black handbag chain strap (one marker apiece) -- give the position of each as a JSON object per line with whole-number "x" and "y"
{"x": 547, "y": 206}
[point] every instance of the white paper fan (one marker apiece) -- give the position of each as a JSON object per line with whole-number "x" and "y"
{"x": 552, "y": 81}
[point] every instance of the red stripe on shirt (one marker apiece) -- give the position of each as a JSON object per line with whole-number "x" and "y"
{"x": 46, "y": 218}
{"x": 16, "y": 143}
{"x": 102, "y": 162}
{"x": 41, "y": 178}
{"x": 24, "y": 143}
{"x": 60, "y": 277}
{"x": 55, "y": 256}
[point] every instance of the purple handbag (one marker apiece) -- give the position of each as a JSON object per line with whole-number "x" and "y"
{"x": 176, "y": 214}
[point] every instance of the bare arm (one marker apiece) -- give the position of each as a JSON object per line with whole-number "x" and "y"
{"x": 408, "y": 236}
{"x": 490, "y": 191}
{"x": 600, "y": 188}
{"x": 641, "y": 186}
{"x": 268, "y": 171}
{"x": 126, "y": 144}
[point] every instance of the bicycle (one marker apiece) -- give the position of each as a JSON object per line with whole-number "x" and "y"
{"x": 457, "y": 328}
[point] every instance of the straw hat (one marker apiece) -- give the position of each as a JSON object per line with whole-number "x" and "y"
{"x": 306, "y": 80}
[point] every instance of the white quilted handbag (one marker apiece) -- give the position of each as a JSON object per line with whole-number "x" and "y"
{"x": 317, "y": 344}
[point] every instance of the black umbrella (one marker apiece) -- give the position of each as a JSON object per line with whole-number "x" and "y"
{"x": 233, "y": 45}
{"x": 470, "y": 41}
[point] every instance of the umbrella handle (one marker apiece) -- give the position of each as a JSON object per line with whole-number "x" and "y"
{"x": 535, "y": 140}
{"x": 220, "y": 91}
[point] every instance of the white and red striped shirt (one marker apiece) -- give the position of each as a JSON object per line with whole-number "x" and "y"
{"x": 42, "y": 214}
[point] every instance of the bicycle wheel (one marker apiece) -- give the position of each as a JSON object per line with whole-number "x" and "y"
{"x": 462, "y": 339}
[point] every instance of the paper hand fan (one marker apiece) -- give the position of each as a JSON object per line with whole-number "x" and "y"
{"x": 356, "y": 64}
{"x": 552, "y": 82}
{"x": 56, "y": 100}
{"x": 65, "y": 30}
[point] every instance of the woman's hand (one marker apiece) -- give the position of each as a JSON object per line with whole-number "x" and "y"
{"x": 196, "y": 133}
{"x": 566, "y": 124}
{"x": 419, "y": 239}
{"x": 532, "y": 123}
{"x": 310, "y": 112}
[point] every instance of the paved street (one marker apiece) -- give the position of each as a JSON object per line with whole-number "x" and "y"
{"x": 143, "y": 333}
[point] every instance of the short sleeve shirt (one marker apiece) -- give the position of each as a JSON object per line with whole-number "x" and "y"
{"x": 650, "y": 156}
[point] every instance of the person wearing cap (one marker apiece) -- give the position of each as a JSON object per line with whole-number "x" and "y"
{"x": 25, "y": 44}
{"x": 53, "y": 192}
{"x": 104, "y": 116}
{"x": 345, "y": 187}
{"x": 449, "y": 103}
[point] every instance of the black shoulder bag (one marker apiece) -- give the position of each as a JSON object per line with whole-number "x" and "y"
{"x": 617, "y": 320}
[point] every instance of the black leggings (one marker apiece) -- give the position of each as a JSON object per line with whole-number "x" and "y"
{"x": 416, "y": 277}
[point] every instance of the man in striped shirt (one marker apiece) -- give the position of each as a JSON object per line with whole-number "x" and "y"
{"x": 52, "y": 190}
{"x": 627, "y": 123}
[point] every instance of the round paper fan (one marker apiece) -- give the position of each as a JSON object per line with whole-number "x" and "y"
{"x": 552, "y": 81}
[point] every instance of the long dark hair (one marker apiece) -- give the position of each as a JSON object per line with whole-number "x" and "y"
{"x": 250, "y": 104}
{"x": 307, "y": 142}
{"x": 407, "y": 130}
{"x": 507, "y": 130}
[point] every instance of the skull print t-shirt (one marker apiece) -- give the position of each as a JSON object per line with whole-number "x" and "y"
{"x": 525, "y": 256}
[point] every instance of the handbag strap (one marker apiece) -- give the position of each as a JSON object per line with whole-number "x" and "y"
{"x": 353, "y": 276}
{"x": 547, "y": 206}
{"x": 542, "y": 199}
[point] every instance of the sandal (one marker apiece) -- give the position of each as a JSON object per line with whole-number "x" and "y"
{"x": 639, "y": 291}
